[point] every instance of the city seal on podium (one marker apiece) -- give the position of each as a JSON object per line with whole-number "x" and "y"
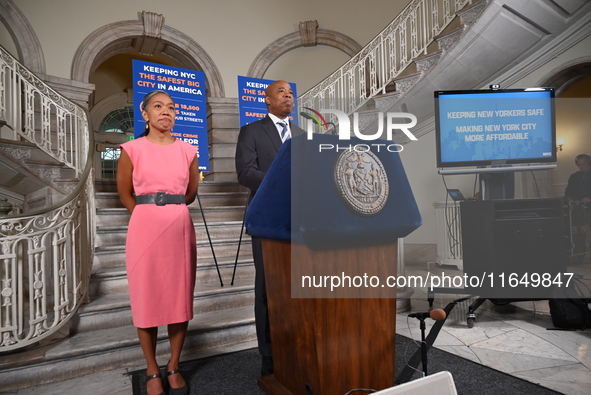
{"x": 361, "y": 181}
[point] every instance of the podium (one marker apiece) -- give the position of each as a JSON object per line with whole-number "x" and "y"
{"x": 328, "y": 249}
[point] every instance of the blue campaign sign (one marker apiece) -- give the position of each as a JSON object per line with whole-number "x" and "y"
{"x": 187, "y": 89}
{"x": 251, "y": 100}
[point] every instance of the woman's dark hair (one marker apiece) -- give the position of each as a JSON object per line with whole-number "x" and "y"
{"x": 145, "y": 102}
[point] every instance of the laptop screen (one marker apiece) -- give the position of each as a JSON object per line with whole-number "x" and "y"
{"x": 456, "y": 194}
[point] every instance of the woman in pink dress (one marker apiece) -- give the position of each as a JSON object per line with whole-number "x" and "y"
{"x": 157, "y": 177}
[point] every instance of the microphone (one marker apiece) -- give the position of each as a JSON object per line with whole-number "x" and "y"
{"x": 436, "y": 315}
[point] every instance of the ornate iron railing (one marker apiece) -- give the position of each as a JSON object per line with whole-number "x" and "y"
{"x": 40, "y": 115}
{"x": 369, "y": 72}
{"x": 45, "y": 256}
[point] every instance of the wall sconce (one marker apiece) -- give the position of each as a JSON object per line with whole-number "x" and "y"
{"x": 559, "y": 144}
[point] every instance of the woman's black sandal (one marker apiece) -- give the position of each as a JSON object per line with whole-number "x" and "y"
{"x": 154, "y": 376}
{"x": 184, "y": 390}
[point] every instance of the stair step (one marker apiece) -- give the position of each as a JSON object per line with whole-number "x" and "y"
{"x": 405, "y": 83}
{"x": 114, "y": 256}
{"x": 33, "y": 155}
{"x": 223, "y": 248}
{"x": 207, "y": 199}
{"x": 116, "y": 235}
{"x": 206, "y": 264}
{"x": 114, "y": 279}
{"x": 426, "y": 61}
{"x": 204, "y": 186}
{"x": 231, "y": 185}
{"x": 31, "y": 171}
{"x": 112, "y": 310}
{"x": 385, "y": 101}
{"x": 120, "y": 216}
{"x": 201, "y": 244}
{"x": 448, "y": 38}
{"x": 100, "y": 350}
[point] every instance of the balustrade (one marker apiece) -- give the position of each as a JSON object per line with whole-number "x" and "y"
{"x": 45, "y": 256}
{"x": 369, "y": 72}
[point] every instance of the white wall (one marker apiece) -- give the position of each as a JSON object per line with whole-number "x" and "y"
{"x": 6, "y": 41}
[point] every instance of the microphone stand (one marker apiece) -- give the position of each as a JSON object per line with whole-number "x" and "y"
{"x": 411, "y": 366}
{"x": 423, "y": 346}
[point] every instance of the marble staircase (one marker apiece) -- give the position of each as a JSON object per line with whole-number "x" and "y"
{"x": 413, "y": 76}
{"x": 35, "y": 179}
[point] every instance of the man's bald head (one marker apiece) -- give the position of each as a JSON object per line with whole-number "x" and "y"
{"x": 279, "y": 99}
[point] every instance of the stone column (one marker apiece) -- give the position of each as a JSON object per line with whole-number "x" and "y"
{"x": 223, "y": 122}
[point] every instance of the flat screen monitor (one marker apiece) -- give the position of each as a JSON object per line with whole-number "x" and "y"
{"x": 495, "y": 128}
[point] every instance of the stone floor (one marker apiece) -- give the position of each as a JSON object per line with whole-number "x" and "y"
{"x": 512, "y": 338}
{"x": 516, "y": 338}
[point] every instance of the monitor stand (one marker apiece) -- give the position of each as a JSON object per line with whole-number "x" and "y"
{"x": 497, "y": 185}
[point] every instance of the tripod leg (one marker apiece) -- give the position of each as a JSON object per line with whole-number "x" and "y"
{"x": 471, "y": 311}
{"x": 210, "y": 243}
{"x": 239, "y": 243}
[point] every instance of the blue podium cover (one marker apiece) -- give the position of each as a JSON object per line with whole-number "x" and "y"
{"x": 322, "y": 195}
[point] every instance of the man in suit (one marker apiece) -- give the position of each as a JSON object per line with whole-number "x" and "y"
{"x": 579, "y": 183}
{"x": 258, "y": 144}
{"x": 578, "y": 189}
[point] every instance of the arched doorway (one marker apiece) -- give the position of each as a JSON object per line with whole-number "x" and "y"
{"x": 104, "y": 59}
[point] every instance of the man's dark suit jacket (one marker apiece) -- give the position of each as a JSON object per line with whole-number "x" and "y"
{"x": 258, "y": 144}
{"x": 579, "y": 186}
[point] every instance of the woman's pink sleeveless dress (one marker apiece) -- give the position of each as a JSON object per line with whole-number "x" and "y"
{"x": 161, "y": 253}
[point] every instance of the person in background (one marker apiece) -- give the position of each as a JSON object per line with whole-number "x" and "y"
{"x": 157, "y": 177}
{"x": 578, "y": 189}
{"x": 258, "y": 144}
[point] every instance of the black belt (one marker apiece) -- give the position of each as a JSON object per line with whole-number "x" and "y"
{"x": 160, "y": 199}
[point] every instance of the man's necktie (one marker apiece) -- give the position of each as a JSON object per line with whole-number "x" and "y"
{"x": 284, "y": 132}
